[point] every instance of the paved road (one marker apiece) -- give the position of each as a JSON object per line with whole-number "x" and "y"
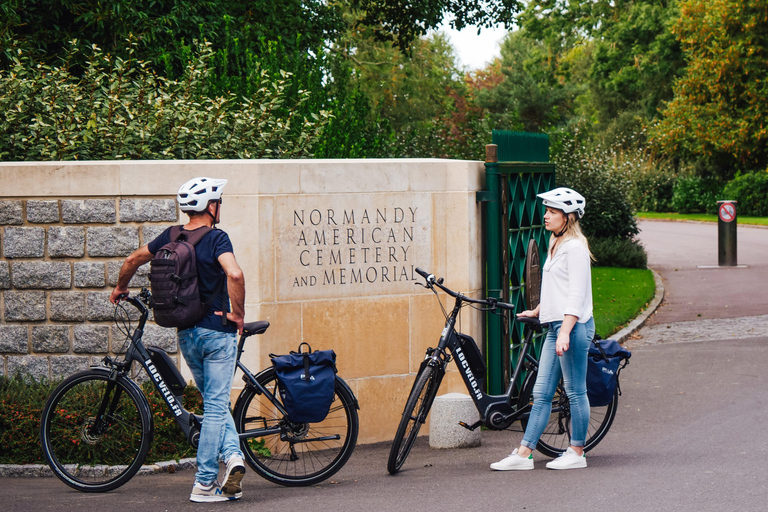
{"x": 689, "y": 436}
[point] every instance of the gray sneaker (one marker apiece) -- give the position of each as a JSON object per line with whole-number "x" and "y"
{"x": 568, "y": 460}
{"x": 233, "y": 476}
{"x": 514, "y": 462}
{"x": 210, "y": 493}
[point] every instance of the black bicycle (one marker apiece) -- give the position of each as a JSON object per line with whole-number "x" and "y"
{"x": 97, "y": 425}
{"x": 496, "y": 412}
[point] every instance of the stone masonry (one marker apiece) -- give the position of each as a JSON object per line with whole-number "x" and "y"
{"x": 59, "y": 262}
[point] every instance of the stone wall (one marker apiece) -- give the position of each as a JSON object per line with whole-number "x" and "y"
{"x": 328, "y": 249}
{"x": 61, "y": 258}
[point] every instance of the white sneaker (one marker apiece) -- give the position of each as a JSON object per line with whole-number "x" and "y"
{"x": 514, "y": 462}
{"x": 210, "y": 493}
{"x": 568, "y": 460}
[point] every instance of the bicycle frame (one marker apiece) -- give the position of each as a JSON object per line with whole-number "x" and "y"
{"x": 496, "y": 411}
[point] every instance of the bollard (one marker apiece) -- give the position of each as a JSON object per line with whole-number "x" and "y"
{"x": 444, "y": 429}
{"x": 726, "y": 233}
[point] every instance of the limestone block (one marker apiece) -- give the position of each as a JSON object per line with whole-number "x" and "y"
{"x": 28, "y": 367}
{"x": 151, "y": 231}
{"x": 42, "y": 211}
{"x": 24, "y": 306}
{"x": 66, "y": 241}
{"x": 444, "y": 429}
{"x": 67, "y": 306}
{"x": 139, "y": 279}
{"x": 5, "y": 275}
{"x": 161, "y": 337}
{"x": 50, "y": 338}
{"x": 64, "y": 366}
{"x": 148, "y": 210}
{"x": 13, "y": 339}
{"x": 42, "y": 274}
{"x": 89, "y": 274}
{"x": 24, "y": 242}
{"x": 91, "y": 339}
{"x": 112, "y": 241}
{"x": 10, "y": 212}
{"x": 84, "y": 211}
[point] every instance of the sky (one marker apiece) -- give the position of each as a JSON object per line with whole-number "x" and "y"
{"x": 475, "y": 51}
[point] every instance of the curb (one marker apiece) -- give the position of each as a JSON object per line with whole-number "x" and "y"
{"x": 623, "y": 335}
{"x": 42, "y": 470}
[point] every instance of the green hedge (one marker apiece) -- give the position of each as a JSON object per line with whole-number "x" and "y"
{"x": 751, "y": 192}
{"x": 22, "y": 402}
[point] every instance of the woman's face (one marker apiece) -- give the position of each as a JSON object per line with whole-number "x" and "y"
{"x": 554, "y": 220}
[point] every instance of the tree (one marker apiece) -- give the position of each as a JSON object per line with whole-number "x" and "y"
{"x": 720, "y": 105}
{"x": 404, "y": 21}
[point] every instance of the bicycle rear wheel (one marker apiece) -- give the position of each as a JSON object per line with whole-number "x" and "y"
{"x": 91, "y": 452}
{"x": 557, "y": 434}
{"x": 295, "y": 454}
{"x": 420, "y": 400}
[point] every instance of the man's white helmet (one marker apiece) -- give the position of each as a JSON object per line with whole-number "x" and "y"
{"x": 193, "y": 196}
{"x": 566, "y": 200}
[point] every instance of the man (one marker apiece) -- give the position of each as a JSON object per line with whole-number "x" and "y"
{"x": 210, "y": 346}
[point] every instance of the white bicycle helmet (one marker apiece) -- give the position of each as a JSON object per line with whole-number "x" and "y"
{"x": 566, "y": 200}
{"x": 193, "y": 196}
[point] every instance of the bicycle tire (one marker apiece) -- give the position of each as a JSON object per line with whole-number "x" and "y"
{"x": 557, "y": 434}
{"x": 286, "y": 458}
{"x": 421, "y": 397}
{"x": 95, "y": 461}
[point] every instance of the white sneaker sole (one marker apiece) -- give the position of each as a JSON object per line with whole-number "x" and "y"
{"x": 577, "y": 465}
{"x": 497, "y": 467}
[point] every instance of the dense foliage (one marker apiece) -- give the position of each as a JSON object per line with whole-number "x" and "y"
{"x": 22, "y": 402}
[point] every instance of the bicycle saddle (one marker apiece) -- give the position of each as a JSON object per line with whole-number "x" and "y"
{"x": 257, "y": 327}
{"x": 532, "y": 322}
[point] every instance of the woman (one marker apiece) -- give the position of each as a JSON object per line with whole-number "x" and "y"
{"x": 566, "y": 304}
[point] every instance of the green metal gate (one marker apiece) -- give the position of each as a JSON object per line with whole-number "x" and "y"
{"x": 517, "y": 168}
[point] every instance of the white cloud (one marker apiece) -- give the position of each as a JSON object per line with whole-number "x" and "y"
{"x": 475, "y": 51}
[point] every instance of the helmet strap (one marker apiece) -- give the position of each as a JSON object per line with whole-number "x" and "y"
{"x": 214, "y": 215}
{"x": 562, "y": 231}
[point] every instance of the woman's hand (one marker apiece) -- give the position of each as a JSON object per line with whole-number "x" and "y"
{"x": 563, "y": 342}
{"x": 534, "y": 313}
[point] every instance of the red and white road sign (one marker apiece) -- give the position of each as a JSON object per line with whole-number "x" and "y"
{"x": 727, "y": 212}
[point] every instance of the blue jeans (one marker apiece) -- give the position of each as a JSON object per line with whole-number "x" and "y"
{"x": 572, "y": 366}
{"x": 211, "y": 357}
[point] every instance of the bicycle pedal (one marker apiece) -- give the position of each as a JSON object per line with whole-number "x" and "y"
{"x": 470, "y": 427}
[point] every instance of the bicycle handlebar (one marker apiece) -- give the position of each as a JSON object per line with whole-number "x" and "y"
{"x": 489, "y": 301}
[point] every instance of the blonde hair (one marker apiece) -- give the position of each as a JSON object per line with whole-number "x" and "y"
{"x": 572, "y": 230}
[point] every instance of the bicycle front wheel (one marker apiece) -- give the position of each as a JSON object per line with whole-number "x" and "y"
{"x": 295, "y": 454}
{"x": 557, "y": 434}
{"x": 415, "y": 414}
{"x": 94, "y": 451}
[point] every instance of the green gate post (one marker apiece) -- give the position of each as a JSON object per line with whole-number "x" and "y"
{"x": 494, "y": 351}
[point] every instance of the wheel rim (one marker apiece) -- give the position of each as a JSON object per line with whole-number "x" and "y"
{"x": 81, "y": 450}
{"x": 292, "y": 455}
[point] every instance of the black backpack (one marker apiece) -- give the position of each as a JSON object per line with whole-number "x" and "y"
{"x": 176, "y": 300}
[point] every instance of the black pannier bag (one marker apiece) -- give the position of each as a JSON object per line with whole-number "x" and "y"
{"x": 605, "y": 360}
{"x": 307, "y": 383}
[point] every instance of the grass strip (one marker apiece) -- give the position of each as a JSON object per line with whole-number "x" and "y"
{"x": 702, "y": 217}
{"x": 619, "y": 295}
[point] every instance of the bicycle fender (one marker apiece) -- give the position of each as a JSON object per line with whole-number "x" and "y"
{"x": 343, "y": 384}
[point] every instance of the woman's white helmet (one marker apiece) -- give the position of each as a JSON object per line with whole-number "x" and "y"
{"x": 566, "y": 200}
{"x": 194, "y": 195}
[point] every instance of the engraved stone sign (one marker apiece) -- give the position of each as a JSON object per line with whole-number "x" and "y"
{"x": 340, "y": 246}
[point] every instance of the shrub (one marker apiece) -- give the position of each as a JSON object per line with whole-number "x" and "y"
{"x": 598, "y": 175}
{"x": 616, "y": 252}
{"x": 22, "y": 402}
{"x": 751, "y": 192}
{"x": 694, "y": 194}
{"x": 120, "y": 109}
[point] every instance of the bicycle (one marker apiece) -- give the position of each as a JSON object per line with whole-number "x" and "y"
{"x": 97, "y": 426}
{"x": 497, "y": 412}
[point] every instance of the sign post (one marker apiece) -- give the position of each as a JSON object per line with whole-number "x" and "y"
{"x": 726, "y": 233}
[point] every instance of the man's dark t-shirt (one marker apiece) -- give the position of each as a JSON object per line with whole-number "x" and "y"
{"x": 209, "y": 274}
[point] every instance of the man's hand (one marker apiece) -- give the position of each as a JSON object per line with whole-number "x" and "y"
{"x": 118, "y": 294}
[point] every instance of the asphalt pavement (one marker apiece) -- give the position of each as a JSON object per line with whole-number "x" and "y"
{"x": 688, "y": 436}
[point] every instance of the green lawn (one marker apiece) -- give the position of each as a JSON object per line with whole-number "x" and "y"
{"x": 618, "y": 295}
{"x": 704, "y": 217}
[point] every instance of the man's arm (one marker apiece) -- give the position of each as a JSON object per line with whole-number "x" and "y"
{"x": 235, "y": 287}
{"x": 137, "y": 258}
